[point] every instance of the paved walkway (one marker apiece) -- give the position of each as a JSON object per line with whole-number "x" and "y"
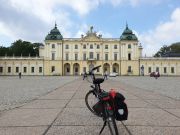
{"x": 63, "y": 112}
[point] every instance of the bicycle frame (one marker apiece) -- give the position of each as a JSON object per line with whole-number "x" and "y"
{"x": 103, "y": 107}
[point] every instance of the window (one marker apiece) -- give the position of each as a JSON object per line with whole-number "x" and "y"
{"x": 106, "y": 56}
{"x": 9, "y": 69}
{"x": 40, "y": 69}
{"x": 114, "y": 69}
{"x": 91, "y": 55}
{"x": 17, "y": 69}
{"x": 98, "y": 56}
{"x": 91, "y": 46}
{"x": 98, "y": 46}
{"x": 76, "y": 46}
{"x": 129, "y": 46}
{"x": 157, "y": 69}
{"x": 165, "y": 70}
{"x": 53, "y": 56}
{"x": 115, "y": 56}
{"x": 52, "y": 68}
{"x": 67, "y": 70}
{"x": 32, "y": 69}
{"x": 98, "y": 70}
{"x": 115, "y": 46}
{"x": 25, "y": 69}
{"x": 1, "y": 69}
{"x": 76, "y": 69}
{"x": 67, "y": 46}
{"x": 129, "y": 56}
{"x": 172, "y": 69}
{"x": 84, "y": 46}
{"x": 67, "y": 56}
{"x": 53, "y": 45}
{"x": 84, "y": 56}
{"x": 76, "y": 56}
{"x": 106, "y": 46}
{"x": 149, "y": 70}
{"x": 84, "y": 69}
{"x": 129, "y": 69}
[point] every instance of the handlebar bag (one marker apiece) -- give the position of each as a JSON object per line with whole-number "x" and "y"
{"x": 120, "y": 107}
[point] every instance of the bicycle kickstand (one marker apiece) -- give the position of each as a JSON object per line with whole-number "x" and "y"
{"x": 102, "y": 127}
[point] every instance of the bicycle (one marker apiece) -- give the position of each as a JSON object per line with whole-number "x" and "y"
{"x": 104, "y": 107}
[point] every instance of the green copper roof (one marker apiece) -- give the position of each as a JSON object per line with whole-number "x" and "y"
{"x": 54, "y": 34}
{"x": 128, "y": 34}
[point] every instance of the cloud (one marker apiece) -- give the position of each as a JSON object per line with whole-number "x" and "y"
{"x": 32, "y": 19}
{"x": 164, "y": 34}
{"x": 132, "y": 3}
{"x": 84, "y": 28}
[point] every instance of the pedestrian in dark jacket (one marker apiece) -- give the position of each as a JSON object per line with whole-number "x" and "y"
{"x": 19, "y": 75}
{"x": 84, "y": 75}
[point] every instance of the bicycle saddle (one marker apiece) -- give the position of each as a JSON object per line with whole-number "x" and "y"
{"x": 98, "y": 81}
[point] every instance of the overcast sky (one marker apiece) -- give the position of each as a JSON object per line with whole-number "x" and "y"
{"x": 155, "y": 22}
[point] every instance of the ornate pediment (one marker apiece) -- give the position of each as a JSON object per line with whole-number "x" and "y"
{"x": 91, "y": 36}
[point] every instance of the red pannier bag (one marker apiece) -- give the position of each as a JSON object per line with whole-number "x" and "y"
{"x": 120, "y": 107}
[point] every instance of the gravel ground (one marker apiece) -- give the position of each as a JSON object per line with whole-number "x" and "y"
{"x": 169, "y": 86}
{"x": 15, "y": 91}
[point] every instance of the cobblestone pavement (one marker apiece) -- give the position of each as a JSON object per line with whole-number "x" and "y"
{"x": 15, "y": 91}
{"x": 169, "y": 86}
{"x": 63, "y": 112}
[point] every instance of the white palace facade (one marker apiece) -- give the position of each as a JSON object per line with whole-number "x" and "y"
{"x": 73, "y": 56}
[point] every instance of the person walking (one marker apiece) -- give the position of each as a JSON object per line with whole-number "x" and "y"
{"x": 105, "y": 75}
{"x": 19, "y": 75}
{"x": 84, "y": 75}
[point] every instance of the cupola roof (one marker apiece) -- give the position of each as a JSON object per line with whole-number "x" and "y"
{"x": 128, "y": 34}
{"x": 54, "y": 34}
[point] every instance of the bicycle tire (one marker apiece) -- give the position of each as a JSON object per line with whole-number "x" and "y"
{"x": 87, "y": 102}
{"x": 112, "y": 125}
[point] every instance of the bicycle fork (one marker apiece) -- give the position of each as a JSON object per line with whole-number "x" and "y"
{"x": 107, "y": 112}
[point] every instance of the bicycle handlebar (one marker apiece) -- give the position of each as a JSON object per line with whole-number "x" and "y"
{"x": 95, "y": 68}
{"x": 91, "y": 71}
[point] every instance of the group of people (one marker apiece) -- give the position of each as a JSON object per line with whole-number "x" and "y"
{"x": 105, "y": 75}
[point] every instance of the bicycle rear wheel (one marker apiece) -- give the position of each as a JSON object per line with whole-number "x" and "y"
{"x": 91, "y": 100}
{"x": 112, "y": 125}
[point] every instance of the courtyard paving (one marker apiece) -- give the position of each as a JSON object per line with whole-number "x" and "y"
{"x": 63, "y": 111}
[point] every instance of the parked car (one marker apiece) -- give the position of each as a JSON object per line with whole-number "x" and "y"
{"x": 155, "y": 74}
{"x": 113, "y": 74}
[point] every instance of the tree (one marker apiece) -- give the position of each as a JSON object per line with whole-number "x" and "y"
{"x": 173, "y": 48}
{"x": 21, "y": 48}
{"x": 162, "y": 51}
{"x": 3, "y": 51}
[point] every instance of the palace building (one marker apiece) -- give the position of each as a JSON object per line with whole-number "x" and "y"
{"x": 74, "y": 56}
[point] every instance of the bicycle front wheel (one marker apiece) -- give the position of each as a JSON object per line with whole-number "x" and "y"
{"x": 112, "y": 125}
{"x": 91, "y": 100}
